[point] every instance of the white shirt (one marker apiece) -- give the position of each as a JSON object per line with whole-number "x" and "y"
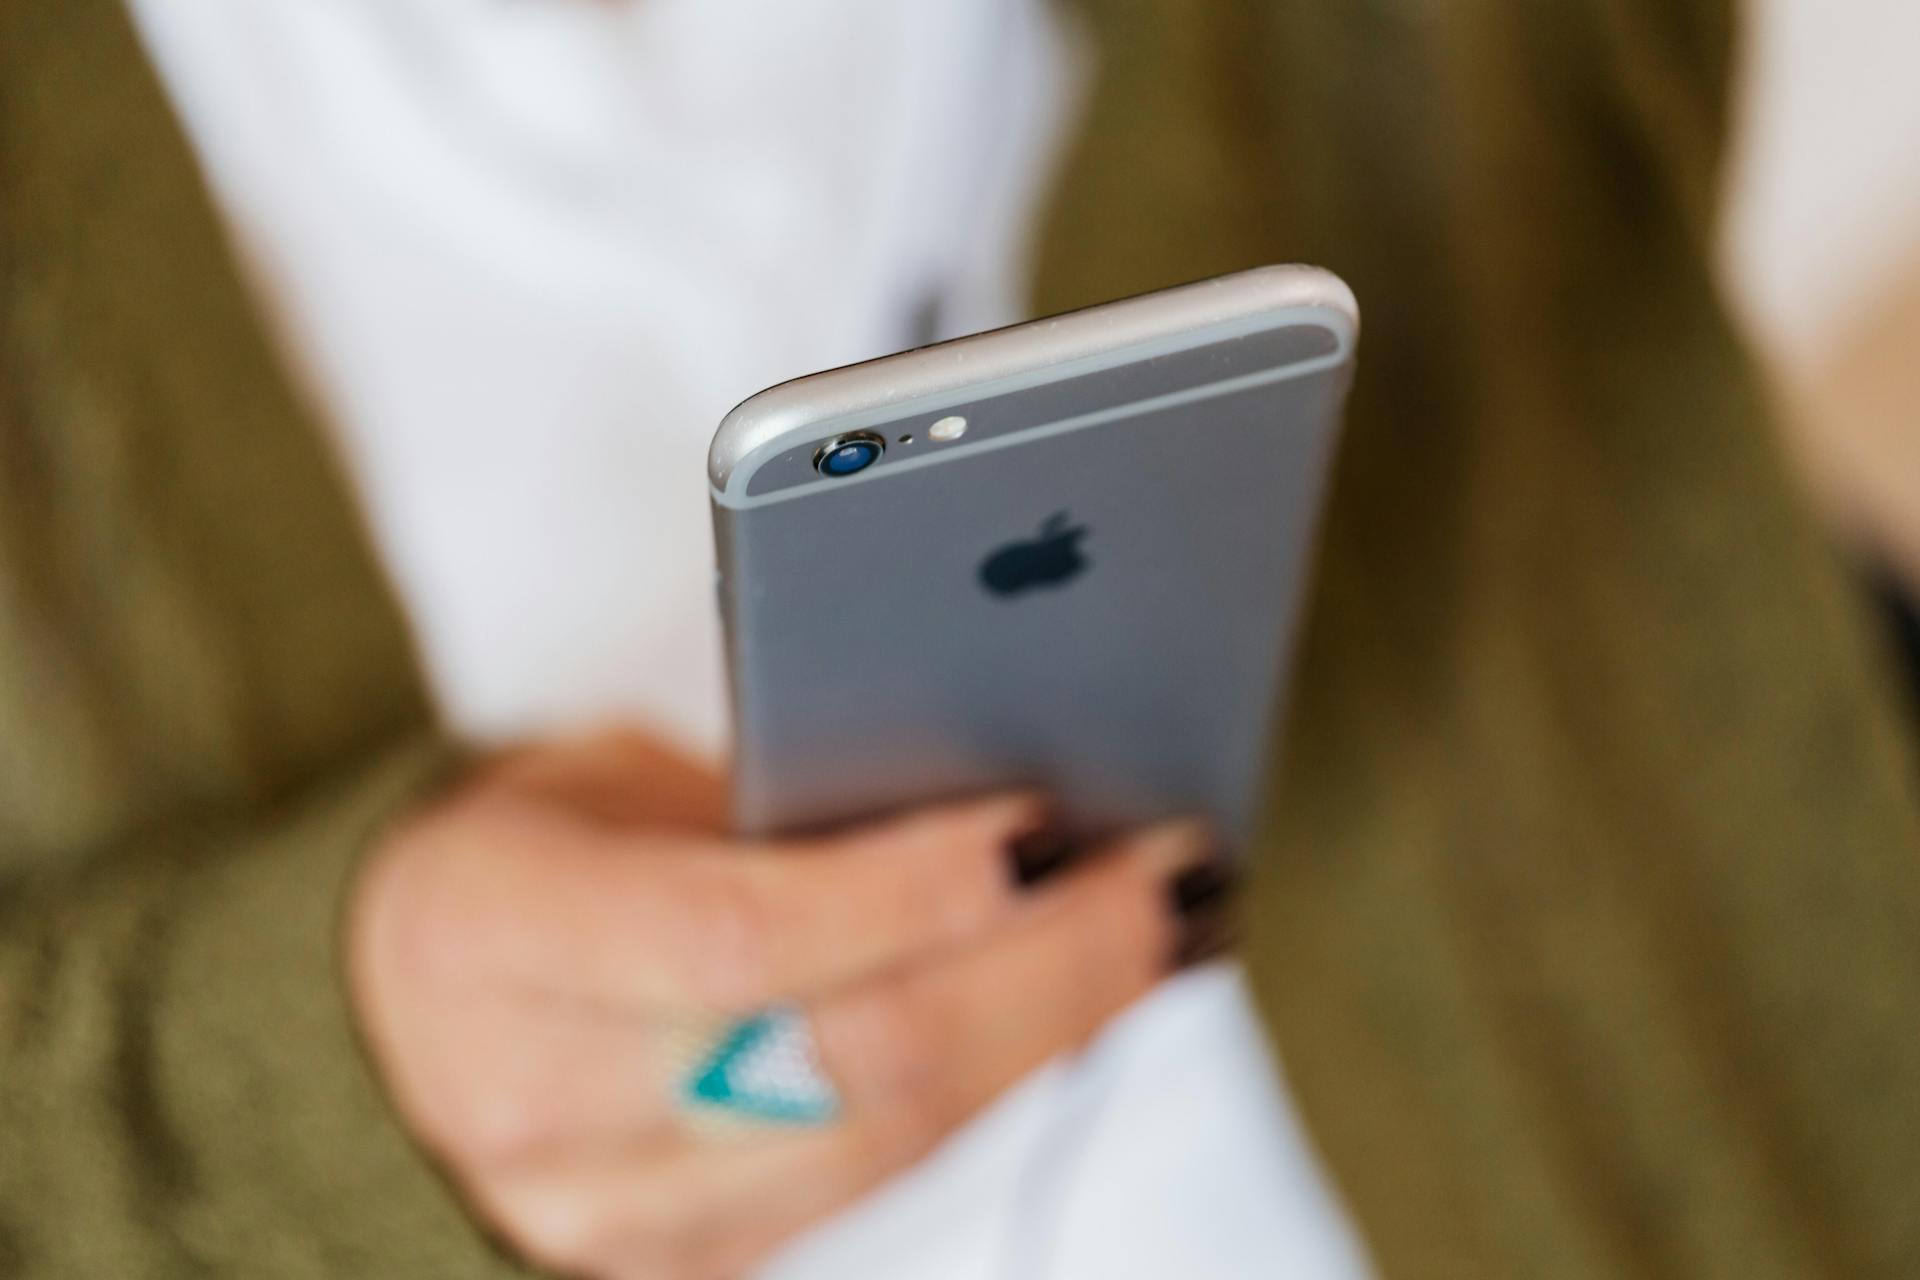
{"x": 529, "y": 253}
{"x": 1823, "y": 197}
{"x": 526, "y": 254}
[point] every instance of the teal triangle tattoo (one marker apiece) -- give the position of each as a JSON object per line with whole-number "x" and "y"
{"x": 764, "y": 1067}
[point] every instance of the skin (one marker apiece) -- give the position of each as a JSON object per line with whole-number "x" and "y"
{"x": 1857, "y": 430}
{"x": 531, "y": 956}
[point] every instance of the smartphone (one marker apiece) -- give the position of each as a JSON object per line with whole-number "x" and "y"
{"x": 1067, "y": 554}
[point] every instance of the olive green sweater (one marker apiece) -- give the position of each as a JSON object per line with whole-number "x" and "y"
{"x": 1589, "y": 919}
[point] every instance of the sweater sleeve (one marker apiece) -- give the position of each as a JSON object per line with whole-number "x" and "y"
{"x": 180, "y": 1087}
{"x": 209, "y": 707}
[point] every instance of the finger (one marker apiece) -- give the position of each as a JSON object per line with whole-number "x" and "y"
{"x": 949, "y": 1035}
{"x": 845, "y": 907}
{"x": 521, "y": 1074}
{"x": 696, "y": 1210}
{"x": 680, "y": 922}
{"x": 509, "y": 1079}
{"x": 915, "y": 1054}
{"x": 661, "y": 922}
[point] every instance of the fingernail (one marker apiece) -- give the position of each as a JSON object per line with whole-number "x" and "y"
{"x": 1038, "y": 855}
{"x": 1199, "y": 898}
{"x": 1201, "y": 888}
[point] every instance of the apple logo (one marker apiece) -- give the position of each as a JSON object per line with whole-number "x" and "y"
{"x": 1048, "y": 561}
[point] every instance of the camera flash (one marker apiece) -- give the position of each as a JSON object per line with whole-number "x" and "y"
{"x": 948, "y": 429}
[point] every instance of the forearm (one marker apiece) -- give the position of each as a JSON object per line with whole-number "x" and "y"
{"x": 180, "y": 1089}
{"x": 1857, "y": 425}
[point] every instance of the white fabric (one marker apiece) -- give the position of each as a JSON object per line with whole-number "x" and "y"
{"x": 1164, "y": 1153}
{"x": 527, "y": 253}
{"x": 1824, "y": 189}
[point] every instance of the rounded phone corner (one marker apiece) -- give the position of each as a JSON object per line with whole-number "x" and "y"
{"x": 763, "y": 416}
{"x": 772, "y": 418}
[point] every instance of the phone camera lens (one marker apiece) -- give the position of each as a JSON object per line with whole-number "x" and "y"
{"x": 848, "y": 455}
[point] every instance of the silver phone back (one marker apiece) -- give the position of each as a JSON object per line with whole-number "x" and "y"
{"x": 886, "y": 648}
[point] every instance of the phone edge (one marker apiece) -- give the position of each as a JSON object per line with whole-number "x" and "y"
{"x": 1019, "y": 349}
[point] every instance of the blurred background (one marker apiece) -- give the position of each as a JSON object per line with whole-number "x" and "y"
{"x": 1585, "y": 919}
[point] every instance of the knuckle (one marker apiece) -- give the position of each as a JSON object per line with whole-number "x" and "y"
{"x": 727, "y": 964}
{"x": 1125, "y": 934}
{"x": 554, "y": 1227}
{"x": 673, "y": 1258}
{"x": 890, "y": 1032}
{"x": 933, "y": 880}
{"x": 928, "y": 1112}
{"x": 667, "y": 1246}
{"x": 435, "y": 941}
{"x": 432, "y": 921}
{"x": 494, "y": 1125}
{"x": 728, "y": 1253}
{"x": 951, "y": 897}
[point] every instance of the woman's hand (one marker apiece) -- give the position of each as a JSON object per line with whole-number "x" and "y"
{"x": 531, "y": 958}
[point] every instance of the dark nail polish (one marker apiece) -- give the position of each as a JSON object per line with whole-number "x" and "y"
{"x": 1198, "y": 890}
{"x": 1200, "y": 897}
{"x": 1037, "y": 856}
